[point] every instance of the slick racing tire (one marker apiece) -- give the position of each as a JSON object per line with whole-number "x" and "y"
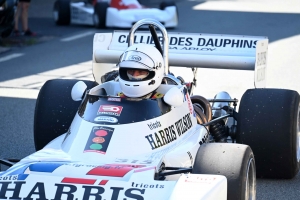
{"x": 201, "y": 118}
{"x": 54, "y": 110}
{"x": 9, "y": 23}
{"x": 268, "y": 122}
{"x": 62, "y": 12}
{"x": 99, "y": 15}
{"x": 234, "y": 161}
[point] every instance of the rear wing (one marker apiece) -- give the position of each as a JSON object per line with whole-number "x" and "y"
{"x": 193, "y": 50}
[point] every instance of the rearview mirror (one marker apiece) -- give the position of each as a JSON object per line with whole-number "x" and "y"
{"x": 174, "y": 97}
{"x": 78, "y": 90}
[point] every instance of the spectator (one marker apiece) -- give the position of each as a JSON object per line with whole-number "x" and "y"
{"x": 22, "y": 9}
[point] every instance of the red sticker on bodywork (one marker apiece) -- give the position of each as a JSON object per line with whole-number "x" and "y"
{"x": 78, "y": 180}
{"x": 113, "y": 170}
{"x": 99, "y": 139}
{"x": 110, "y": 110}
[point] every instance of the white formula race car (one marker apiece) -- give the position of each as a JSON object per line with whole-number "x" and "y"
{"x": 92, "y": 144}
{"x": 113, "y": 13}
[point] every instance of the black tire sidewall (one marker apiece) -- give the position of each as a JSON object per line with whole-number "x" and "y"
{"x": 8, "y": 26}
{"x": 229, "y": 160}
{"x": 268, "y": 123}
{"x": 64, "y": 12}
{"x": 100, "y": 11}
{"x": 54, "y": 110}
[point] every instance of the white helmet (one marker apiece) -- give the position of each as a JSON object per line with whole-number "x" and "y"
{"x": 140, "y": 57}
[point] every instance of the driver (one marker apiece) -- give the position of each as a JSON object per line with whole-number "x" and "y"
{"x": 141, "y": 71}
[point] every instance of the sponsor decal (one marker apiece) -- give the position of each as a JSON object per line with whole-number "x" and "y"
{"x": 135, "y": 58}
{"x": 261, "y": 74}
{"x": 79, "y": 181}
{"x": 45, "y": 167}
{"x": 261, "y": 58}
{"x": 99, "y": 139}
{"x": 133, "y": 161}
{"x": 193, "y": 49}
{"x": 14, "y": 190}
{"x": 79, "y": 165}
{"x": 154, "y": 125}
{"x": 202, "y": 179}
{"x": 9, "y": 178}
{"x": 168, "y": 134}
{"x": 106, "y": 119}
{"x": 114, "y": 99}
{"x": 110, "y": 110}
{"x": 235, "y": 43}
{"x": 145, "y": 185}
{"x": 186, "y": 97}
{"x": 189, "y": 103}
{"x": 113, "y": 170}
{"x": 196, "y": 42}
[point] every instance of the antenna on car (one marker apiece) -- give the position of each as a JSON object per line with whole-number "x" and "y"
{"x": 152, "y": 24}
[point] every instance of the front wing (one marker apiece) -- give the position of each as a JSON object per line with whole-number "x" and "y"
{"x": 190, "y": 186}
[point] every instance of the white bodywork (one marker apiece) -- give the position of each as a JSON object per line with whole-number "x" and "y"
{"x": 126, "y": 18}
{"x": 126, "y": 169}
{"x": 82, "y": 13}
{"x": 101, "y": 157}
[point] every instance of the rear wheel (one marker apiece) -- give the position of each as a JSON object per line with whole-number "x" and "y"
{"x": 269, "y": 122}
{"x": 54, "y": 110}
{"x": 99, "y": 16}
{"x": 235, "y": 162}
{"x": 204, "y": 105}
{"x": 62, "y": 12}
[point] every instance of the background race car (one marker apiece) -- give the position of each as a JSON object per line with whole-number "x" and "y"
{"x": 114, "y": 13}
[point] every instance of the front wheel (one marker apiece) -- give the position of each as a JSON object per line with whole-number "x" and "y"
{"x": 55, "y": 110}
{"x": 269, "y": 123}
{"x": 99, "y": 15}
{"x": 235, "y": 162}
{"x": 62, "y": 12}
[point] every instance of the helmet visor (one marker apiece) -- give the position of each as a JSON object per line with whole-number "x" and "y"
{"x": 136, "y": 74}
{"x": 136, "y": 59}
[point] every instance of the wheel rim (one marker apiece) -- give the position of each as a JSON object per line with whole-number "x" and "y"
{"x": 251, "y": 181}
{"x": 298, "y": 134}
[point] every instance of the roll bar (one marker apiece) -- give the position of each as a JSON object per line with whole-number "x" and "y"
{"x": 151, "y": 23}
